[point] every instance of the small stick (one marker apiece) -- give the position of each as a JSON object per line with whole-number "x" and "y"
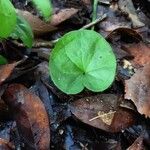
{"x": 94, "y": 22}
{"x": 39, "y": 44}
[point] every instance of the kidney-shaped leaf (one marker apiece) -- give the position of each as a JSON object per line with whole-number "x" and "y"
{"x": 7, "y": 18}
{"x": 44, "y": 7}
{"x": 81, "y": 59}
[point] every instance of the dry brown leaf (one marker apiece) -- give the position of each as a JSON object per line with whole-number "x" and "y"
{"x": 140, "y": 52}
{"x": 103, "y": 111}
{"x": 40, "y": 27}
{"x": 5, "y": 71}
{"x": 30, "y": 115}
{"x": 126, "y": 6}
{"x": 137, "y": 88}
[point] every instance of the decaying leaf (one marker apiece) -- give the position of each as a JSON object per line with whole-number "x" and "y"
{"x": 112, "y": 21}
{"x": 5, "y": 71}
{"x": 140, "y": 52}
{"x": 30, "y": 115}
{"x": 103, "y": 111}
{"x": 137, "y": 89}
{"x": 40, "y": 27}
{"x": 126, "y": 6}
{"x": 138, "y": 144}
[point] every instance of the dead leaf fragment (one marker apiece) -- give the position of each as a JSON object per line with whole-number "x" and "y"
{"x": 30, "y": 115}
{"x": 103, "y": 111}
{"x": 137, "y": 88}
{"x": 140, "y": 52}
{"x": 40, "y": 27}
{"x": 138, "y": 144}
{"x": 5, "y": 71}
{"x": 126, "y": 6}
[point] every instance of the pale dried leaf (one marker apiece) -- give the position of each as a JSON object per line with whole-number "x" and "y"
{"x": 126, "y": 6}
{"x": 137, "y": 88}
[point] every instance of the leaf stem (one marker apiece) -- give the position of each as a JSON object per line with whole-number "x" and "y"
{"x": 94, "y": 12}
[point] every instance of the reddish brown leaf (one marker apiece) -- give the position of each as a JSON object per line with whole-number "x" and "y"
{"x": 140, "y": 52}
{"x": 5, "y": 71}
{"x": 137, "y": 89}
{"x": 30, "y": 115}
{"x": 103, "y": 111}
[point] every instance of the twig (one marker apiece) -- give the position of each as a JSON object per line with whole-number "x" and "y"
{"x": 94, "y": 22}
{"x": 38, "y": 44}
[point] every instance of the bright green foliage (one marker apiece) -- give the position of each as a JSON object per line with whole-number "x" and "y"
{"x": 7, "y": 18}
{"x": 44, "y": 7}
{"x": 23, "y": 31}
{"x": 3, "y": 60}
{"x": 82, "y": 59}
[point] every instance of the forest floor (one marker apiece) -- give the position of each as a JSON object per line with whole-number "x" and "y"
{"x": 116, "y": 119}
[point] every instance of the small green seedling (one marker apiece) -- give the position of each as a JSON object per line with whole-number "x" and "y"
{"x": 82, "y": 59}
{"x": 12, "y": 25}
{"x": 23, "y": 31}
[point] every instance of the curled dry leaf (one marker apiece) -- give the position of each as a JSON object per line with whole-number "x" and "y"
{"x": 5, "y": 71}
{"x": 30, "y": 115}
{"x": 137, "y": 88}
{"x": 126, "y": 6}
{"x": 126, "y": 32}
{"x": 6, "y": 145}
{"x": 40, "y": 27}
{"x": 140, "y": 52}
{"x": 103, "y": 111}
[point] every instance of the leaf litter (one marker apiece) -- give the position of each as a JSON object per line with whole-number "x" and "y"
{"x": 115, "y": 118}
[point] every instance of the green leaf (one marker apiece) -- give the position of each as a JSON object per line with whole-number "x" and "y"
{"x": 44, "y": 7}
{"x": 23, "y": 31}
{"x": 7, "y": 18}
{"x": 82, "y": 59}
{"x": 3, "y": 60}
